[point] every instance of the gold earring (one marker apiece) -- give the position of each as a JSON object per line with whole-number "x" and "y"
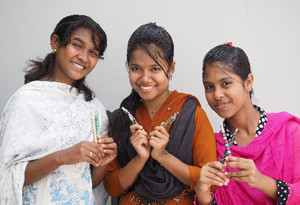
{"x": 54, "y": 50}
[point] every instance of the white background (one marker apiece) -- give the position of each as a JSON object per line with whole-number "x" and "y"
{"x": 267, "y": 30}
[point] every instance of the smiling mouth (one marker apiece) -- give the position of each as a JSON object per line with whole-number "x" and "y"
{"x": 221, "y": 105}
{"x": 78, "y": 66}
{"x": 146, "y": 88}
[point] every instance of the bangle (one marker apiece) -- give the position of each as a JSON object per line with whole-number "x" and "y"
{"x": 166, "y": 157}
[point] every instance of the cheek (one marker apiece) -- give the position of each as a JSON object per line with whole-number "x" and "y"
{"x": 209, "y": 98}
{"x": 132, "y": 79}
{"x": 94, "y": 62}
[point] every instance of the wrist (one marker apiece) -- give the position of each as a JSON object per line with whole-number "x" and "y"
{"x": 140, "y": 159}
{"x": 164, "y": 158}
{"x": 59, "y": 158}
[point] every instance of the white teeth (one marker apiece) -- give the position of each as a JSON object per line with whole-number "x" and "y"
{"x": 146, "y": 88}
{"x": 78, "y": 66}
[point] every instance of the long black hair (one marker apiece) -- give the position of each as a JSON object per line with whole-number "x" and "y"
{"x": 64, "y": 29}
{"x": 157, "y": 42}
{"x": 234, "y": 57}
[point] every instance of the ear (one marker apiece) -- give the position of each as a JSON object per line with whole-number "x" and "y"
{"x": 55, "y": 43}
{"x": 172, "y": 69}
{"x": 249, "y": 82}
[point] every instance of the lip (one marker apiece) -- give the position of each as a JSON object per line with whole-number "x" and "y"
{"x": 78, "y": 66}
{"x": 221, "y": 105}
{"x": 146, "y": 89}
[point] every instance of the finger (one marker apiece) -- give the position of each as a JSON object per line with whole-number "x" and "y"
{"x": 139, "y": 133}
{"x": 217, "y": 175}
{"x": 136, "y": 138}
{"x": 161, "y": 129}
{"x": 215, "y": 180}
{"x": 109, "y": 151}
{"x": 135, "y": 127}
{"x": 105, "y": 140}
{"x": 216, "y": 165}
{"x": 240, "y": 179}
{"x": 239, "y": 173}
{"x": 140, "y": 141}
{"x": 158, "y": 134}
{"x": 92, "y": 158}
{"x": 112, "y": 145}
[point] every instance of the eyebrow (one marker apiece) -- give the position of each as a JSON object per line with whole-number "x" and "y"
{"x": 222, "y": 79}
{"x": 134, "y": 64}
{"x": 83, "y": 42}
{"x": 78, "y": 39}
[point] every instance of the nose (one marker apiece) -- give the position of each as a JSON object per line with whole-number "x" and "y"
{"x": 145, "y": 76}
{"x": 83, "y": 56}
{"x": 218, "y": 93}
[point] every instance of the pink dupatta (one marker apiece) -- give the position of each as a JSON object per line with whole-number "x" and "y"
{"x": 272, "y": 152}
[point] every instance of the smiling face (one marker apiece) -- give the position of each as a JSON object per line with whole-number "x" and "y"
{"x": 225, "y": 92}
{"x": 75, "y": 60}
{"x": 147, "y": 78}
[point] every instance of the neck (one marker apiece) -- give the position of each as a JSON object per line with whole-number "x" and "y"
{"x": 246, "y": 121}
{"x": 154, "y": 105}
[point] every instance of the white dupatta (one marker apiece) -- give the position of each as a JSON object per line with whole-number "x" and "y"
{"x": 40, "y": 118}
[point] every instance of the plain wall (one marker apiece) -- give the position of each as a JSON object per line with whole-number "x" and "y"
{"x": 267, "y": 30}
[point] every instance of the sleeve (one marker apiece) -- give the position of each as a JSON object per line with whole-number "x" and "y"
{"x": 204, "y": 146}
{"x": 294, "y": 197}
{"x": 21, "y": 141}
{"x": 111, "y": 179}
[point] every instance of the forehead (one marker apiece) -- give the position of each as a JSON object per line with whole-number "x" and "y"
{"x": 218, "y": 71}
{"x": 140, "y": 55}
{"x": 85, "y": 35}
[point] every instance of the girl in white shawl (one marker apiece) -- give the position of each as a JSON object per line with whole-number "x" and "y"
{"x": 47, "y": 153}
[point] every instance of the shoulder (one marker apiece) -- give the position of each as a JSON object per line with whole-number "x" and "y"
{"x": 185, "y": 96}
{"x": 22, "y": 93}
{"x": 277, "y": 120}
{"x": 282, "y": 117}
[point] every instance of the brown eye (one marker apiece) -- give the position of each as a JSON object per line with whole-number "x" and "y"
{"x": 135, "y": 68}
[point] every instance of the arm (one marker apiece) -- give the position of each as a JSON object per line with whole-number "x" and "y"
{"x": 158, "y": 140}
{"x": 37, "y": 169}
{"x": 204, "y": 150}
{"x": 109, "y": 153}
{"x": 204, "y": 146}
{"x": 294, "y": 197}
{"x": 130, "y": 172}
{"x": 247, "y": 172}
{"x": 117, "y": 179}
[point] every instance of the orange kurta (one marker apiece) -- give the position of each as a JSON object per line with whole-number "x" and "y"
{"x": 204, "y": 149}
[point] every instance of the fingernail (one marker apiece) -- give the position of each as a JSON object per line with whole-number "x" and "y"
{"x": 220, "y": 184}
{"x": 226, "y": 173}
{"x": 226, "y": 158}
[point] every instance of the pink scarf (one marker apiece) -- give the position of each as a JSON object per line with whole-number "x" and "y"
{"x": 272, "y": 153}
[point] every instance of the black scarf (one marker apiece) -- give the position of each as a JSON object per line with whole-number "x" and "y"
{"x": 155, "y": 183}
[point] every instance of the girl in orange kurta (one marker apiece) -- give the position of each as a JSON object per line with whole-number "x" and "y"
{"x": 157, "y": 164}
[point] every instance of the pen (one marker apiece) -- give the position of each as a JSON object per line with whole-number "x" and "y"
{"x": 227, "y": 143}
{"x": 170, "y": 120}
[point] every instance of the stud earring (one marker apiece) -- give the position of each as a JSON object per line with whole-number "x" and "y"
{"x": 54, "y": 50}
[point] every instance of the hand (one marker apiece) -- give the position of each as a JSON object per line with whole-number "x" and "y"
{"x": 247, "y": 171}
{"x": 139, "y": 141}
{"x": 109, "y": 148}
{"x": 211, "y": 174}
{"x": 158, "y": 140}
{"x": 83, "y": 151}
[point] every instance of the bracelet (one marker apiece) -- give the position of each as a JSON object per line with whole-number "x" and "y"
{"x": 161, "y": 164}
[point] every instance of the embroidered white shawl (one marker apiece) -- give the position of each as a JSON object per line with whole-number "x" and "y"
{"x": 39, "y": 119}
